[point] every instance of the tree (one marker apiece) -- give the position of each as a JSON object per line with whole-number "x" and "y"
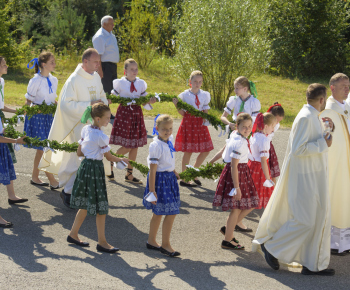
{"x": 224, "y": 39}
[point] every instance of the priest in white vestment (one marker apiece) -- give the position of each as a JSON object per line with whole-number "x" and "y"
{"x": 82, "y": 89}
{"x": 339, "y": 163}
{"x": 295, "y": 226}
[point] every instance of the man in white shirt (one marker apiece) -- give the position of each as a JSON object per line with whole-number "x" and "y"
{"x": 105, "y": 42}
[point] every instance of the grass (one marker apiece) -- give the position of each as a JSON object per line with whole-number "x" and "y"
{"x": 290, "y": 93}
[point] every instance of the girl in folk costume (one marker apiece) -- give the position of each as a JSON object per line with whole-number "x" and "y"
{"x": 276, "y": 110}
{"x": 259, "y": 155}
{"x": 162, "y": 191}
{"x": 89, "y": 193}
{"x": 192, "y": 135}
{"x": 41, "y": 88}
{"x": 129, "y": 129}
{"x": 7, "y": 171}
{"x": 236, "y": 179}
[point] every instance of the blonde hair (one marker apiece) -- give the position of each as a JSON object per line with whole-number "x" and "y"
{"x": 99, "y": 109}
{"x": 337, "y": 77}
{"x": 243, "y": 117}
{"x": 196, "y": 73}
{"x": 163, "y": 119}
{"x": 129, "y": 61}
{"x": 269, "y": 119}
{"x": 44, "y": 57}
{"x": 243, "y": 81}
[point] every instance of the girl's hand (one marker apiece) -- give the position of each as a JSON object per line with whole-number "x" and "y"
{"x": 155, "y": 194}
{"x": 238, "y": 196}
{"x": 232, "y": 126}
{"x": 273, "y": 180}
{"x": 177, "y": 175}
{"x": 109, "y": 101}
{"x": 152, "y": 100}
{"x": 21, "y": 140}
{"x": 175, "y": 101}
{"x": 56, "y": 102}
{"x": 126, "y": 160}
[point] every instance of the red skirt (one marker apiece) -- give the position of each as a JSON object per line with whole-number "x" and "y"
{"x": 192, "y": 136}
{"x": 259, "y": 179}
{"x": 129, "y": 128}
{"x": 250, "y": 197}
{"x": 273, "y": 162}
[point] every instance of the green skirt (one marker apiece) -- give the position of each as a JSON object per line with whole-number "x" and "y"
{"x": 12, "y": 151}
{"x": 89, "y": 189}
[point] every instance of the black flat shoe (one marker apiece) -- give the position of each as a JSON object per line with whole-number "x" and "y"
{"x": 7, "y": 225}
{"x": 185, "y": 184}
{"x": 229, "y": 246}
{"x": 271, "y": 260}
{"x": 65, "y": 198}
{"x": 336, "y": 253}
{"x": 39, "y": 184}
{"x": 54, "y": 187}
{"x": 110, "y": 177}
{"x": 73, "y": 241}
{"x": 150, "y": 247}
{"x": 102, "y": 249}
{"x": 239, "y": 229}
{"x": 196, "y": 181}
{"x": 223, "y": 231}
{"x": 170, "y": 254}
{"x": 11, "y": 201}
{"x": 326, "y": 272}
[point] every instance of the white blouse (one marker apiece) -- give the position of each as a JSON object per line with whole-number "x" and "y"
{"x": 190, "y": 98}
{"x": 274, "y": 131}
{"x": 236, "y": 147}
{"x": 252, "y": 106}
{"x": 259, "y": 147}
{"x": 94, "y": 143}
{"x": 159, "y": 153}
{"x": 121, "y": 87}
{"x": 2, "y": 93}
{"x": 38, "y": 89}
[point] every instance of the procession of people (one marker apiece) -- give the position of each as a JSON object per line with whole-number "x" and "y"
{"x": 305, "y": 201}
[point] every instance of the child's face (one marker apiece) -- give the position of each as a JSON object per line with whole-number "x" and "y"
{"x": 279, "y": 119}
{"x": 245, "y": 128}
{"x": 131, "y": 71}
{"x": 50, "y": 65}
{"x": 196, "y": 82}
{"x": 3, "y": 67}
{"x": 105, "y": 119}
{"x": 165, "y": 130}
{"x": 240, "y": 90}
{"x": 269, "y": 128}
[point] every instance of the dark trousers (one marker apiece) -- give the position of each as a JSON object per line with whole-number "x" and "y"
{"x": 109, "y": 74}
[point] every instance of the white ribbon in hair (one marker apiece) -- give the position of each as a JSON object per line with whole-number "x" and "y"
{"x": 157, "y": 96}
{"x": 19, "y": 118}
{"x": 131, "y": 103}
{"x": 190, "y": 166}
{"x": 48, "y": 148}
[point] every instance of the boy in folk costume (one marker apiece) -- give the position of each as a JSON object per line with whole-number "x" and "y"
{"x": 339, "y": 163}
{"x": 295, "y": 226}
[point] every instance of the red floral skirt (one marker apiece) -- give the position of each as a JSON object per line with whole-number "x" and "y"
{"x": 273, "y": 162}
{"x": 192, "y": 136}
{"x": 250, "y": 197}
{"x": 259, "y": 179}
{"x": 129, "y": 127}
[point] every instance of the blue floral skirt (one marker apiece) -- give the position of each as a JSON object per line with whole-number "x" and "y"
{"x": 7, "y": 171}
{"x": 167, "y": 189}
{"x": 89, "y": 189}
{"x": 38, "y": 126}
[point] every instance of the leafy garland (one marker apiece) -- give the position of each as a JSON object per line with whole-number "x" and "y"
{"x": 209, "y": 171}
{"x": 216, "y": 122}
{"x": 37, "y": 109}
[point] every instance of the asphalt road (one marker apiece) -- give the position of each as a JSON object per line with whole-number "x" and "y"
{"x": 35, "y": 254}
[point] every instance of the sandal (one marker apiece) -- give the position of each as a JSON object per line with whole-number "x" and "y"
{"x": 134, "y": 180}
{"x": 230, "y": 246}
{"x": 110, "y": 177}
{"x": 223, "y": 231}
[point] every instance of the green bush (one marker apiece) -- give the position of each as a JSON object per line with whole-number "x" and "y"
{"x": 308, "y": 37}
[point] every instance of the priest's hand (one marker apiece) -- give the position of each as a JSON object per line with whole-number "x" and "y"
{"x": 238, "y": 195}
{"x": 328, "y": 139}
{"x": 331, "y": 124}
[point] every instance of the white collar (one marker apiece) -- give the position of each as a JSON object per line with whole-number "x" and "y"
{"x": 312, "y": 108}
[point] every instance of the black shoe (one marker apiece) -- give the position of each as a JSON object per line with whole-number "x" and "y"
{"x": 65, "y": 198}
{"x": 102, "y": 249}
{"x": 112, "y": 117}
{"x": 110, "y": 177}
{"x": 11, "y": 201}
{"x": 239, "y": 229}
{"x": 229, "y": 246}
{"x": 39, "y": 184}
{"x": 7, "y": 225}
{"x": 170, "y": 254}
{"x": 185, "y": 184}
{"x": 223, "y": 231}
{"x": 54, "y": 187}
{"x": 335, "y": 252}
{"x": 150, "y": 247}
{"x": 271, "y": 260}
{"x": 196, "y": 181}
{"x": 326, "y": 272}
{"x": 73, "y": 241}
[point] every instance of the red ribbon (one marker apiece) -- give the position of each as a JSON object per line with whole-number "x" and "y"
{"x": 197, "y": 102}
{"x": 274, "y": 105}
{"x": 259, "y": 123}
{"x": 132, "y": 87}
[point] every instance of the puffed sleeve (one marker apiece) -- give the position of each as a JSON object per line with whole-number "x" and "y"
{"x": 83, "y": 134}
{"x": 236, "y": 149}
{"x": 230, "y": 105}
{"x": 154, "y": 153}
{"x": 103, "y": 142}
{"x": 116, "y": 87}
{"x": 33, "y": 87}
{"x": 207, "y": 101}
{"x": 256, "y": 107}
{"x": 264, "y": 146}
{"x": 144, "y": 88}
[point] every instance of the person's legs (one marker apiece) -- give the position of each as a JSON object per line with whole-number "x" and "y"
{"x": 153, "y": 230}
{"x": 132, "y": 156}
{"x": 35, "y": 173}
{"x": 100, "y": 224}
{"x": 11, "y": 191}
{"x": 166, "y": 230}
{"x": 231, "y": 224}
{"x": 78, "y": 221}
{"x": 2, "y": 221}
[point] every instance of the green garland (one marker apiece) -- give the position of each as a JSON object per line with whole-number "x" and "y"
{"x": 216, "y": 122}
{"x": 209, "y": 171}
{"x": 37, "y": 109}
